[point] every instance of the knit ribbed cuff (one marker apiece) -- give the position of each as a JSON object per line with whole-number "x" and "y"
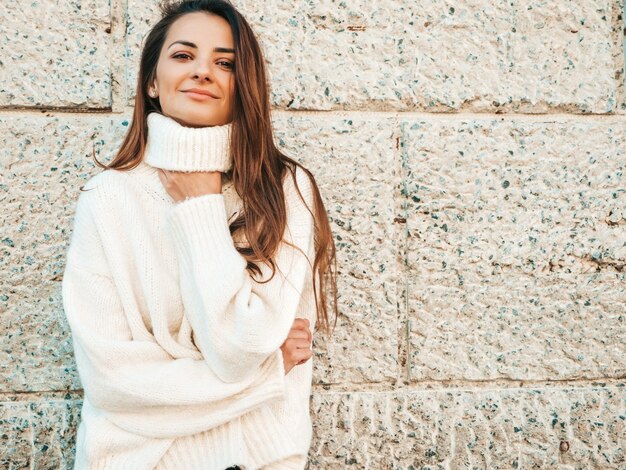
{"x": 217, "y": 448}
{"x": 267, "y": 439}
{"x": 200, "y": 227}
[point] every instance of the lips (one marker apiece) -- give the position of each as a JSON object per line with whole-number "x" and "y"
{"x": 200, "y": 92}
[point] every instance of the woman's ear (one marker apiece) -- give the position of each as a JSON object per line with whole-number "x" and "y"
{"x": 153, "y": 90}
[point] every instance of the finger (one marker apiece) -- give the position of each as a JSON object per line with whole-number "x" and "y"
{"x": 299, "y": 356}
{"x": 301, "y": 323}
{"x": 302, "y": 356}
{"x": 308, "y": 332}
{"x": 302, "y": 334}
{"x": 297, "y": 343}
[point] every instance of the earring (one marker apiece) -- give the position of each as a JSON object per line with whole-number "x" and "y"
{"x": 152, "y": 93}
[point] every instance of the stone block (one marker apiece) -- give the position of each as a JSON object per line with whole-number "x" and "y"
{"x": 39, "y": 433}
{"x": 16, "y": 436}
{"x": 44, "y": 161}
{"x": 56, "y": 54}
{"x": 478, "y": 56}
{"x": 557, "y": 428}
{"x": 516, "y": 248}
{"x": 354, "y": 162}
{"x": 55, "y": 424}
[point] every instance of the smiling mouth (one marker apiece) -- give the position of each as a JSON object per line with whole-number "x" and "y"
{"x": 198, "y": 96}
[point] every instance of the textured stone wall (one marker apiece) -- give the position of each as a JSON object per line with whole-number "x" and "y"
{"x": 471, "y": 156}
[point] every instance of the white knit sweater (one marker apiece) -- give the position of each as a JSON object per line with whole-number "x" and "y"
{"x": 177, "y": 347}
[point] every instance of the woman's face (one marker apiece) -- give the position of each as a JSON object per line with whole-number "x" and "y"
{"x": 204, "y": 60}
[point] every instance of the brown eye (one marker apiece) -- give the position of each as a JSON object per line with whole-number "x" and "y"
{"x": 227, "y": 64}
{"x": 180, "y": 55}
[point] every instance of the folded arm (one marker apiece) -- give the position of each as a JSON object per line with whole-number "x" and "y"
{"x": 136, "y": 383}
{"x": 238, "y": 322}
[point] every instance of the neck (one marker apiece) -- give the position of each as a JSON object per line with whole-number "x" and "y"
{"x": 172, "y": 146}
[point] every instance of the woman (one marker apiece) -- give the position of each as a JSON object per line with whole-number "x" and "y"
{"x": 198, "y": 262}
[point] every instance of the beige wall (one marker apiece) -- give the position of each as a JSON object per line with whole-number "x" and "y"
{"x": 471, "y": 156}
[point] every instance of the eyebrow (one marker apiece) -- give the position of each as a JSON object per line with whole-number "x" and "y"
{"x": 191, "y": 44}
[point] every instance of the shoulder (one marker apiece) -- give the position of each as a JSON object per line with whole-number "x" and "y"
{"x": 103, "y": 180}
{"x": 299, "y": 180}
{"x": 102, "y": 189}
{"x": 98, "y": 193}
{"x": 101, "y": 199}
{"x": 91, "y": 213}
{"x": 299, "y": 188}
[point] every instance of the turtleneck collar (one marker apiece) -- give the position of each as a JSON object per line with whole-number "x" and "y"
{"x": 172, "y": 146}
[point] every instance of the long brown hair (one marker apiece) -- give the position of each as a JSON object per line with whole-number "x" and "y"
{"x": 258, "y": 165}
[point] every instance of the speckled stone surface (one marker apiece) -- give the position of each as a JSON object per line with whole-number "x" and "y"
{"x": 38, "y": 434}
{"x": 563, "y": 429}
{"x": 54, "y": 426}
{"x": 356, "y": 164}
{"x": 16, "y": 434}
{"x": 516, "y": 248}
{"x": 42, "y": 172}
{"x": 517, "y": 56}
{"x": 55, "y": 54}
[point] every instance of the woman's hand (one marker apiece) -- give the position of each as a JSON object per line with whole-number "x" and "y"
{"x": 180, "y": 185}
{"x": 297, "y": 347}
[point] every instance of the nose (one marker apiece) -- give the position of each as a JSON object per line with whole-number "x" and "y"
{"x": 203, "y": 72}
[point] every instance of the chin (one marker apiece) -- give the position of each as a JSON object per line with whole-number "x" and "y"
{"x": 190, "y": 121}
{"x": 198, "y": 121}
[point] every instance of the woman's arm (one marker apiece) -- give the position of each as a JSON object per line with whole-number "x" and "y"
{"x": 238, "y": 322}
{"x": 136, "y": 383}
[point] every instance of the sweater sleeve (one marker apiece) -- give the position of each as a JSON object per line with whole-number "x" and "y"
{"x": 138, "y": 385}
{"x": 237, "y": 321}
